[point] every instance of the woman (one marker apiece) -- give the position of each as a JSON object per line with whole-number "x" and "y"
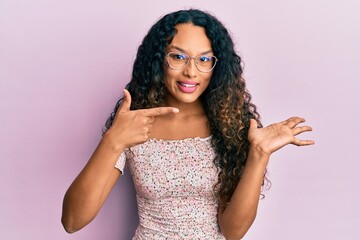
{"x": 190, "y": 135}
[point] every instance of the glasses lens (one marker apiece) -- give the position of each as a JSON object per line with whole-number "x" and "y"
{"x": 177, "y": 60}
{"x": 205, "y": 63}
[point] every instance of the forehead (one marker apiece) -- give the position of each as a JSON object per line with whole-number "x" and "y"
{"x": 191, "y": 38}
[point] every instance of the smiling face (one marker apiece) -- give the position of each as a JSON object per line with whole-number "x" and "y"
{"x": 186, "y": 85}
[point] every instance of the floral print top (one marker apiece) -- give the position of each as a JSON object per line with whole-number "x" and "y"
{"x": 174, "y": 182}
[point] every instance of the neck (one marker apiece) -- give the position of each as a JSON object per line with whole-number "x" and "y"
{"x": 186, "y": 109}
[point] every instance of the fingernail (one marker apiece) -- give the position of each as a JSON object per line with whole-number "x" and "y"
{"x": 176, "y": 110}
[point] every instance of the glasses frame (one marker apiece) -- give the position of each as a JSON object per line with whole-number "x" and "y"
{"x": 187, "y": 63}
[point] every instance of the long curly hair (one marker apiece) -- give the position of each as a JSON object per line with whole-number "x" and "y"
{"x": 227, "y": 102}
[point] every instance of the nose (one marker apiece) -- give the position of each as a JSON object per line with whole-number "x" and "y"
{"x": 190, "y": 69}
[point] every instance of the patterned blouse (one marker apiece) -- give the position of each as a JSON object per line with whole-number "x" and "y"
{"x": 174, "y": 182}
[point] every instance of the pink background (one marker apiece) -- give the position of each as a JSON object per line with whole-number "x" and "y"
{"x": 63, "y": 65}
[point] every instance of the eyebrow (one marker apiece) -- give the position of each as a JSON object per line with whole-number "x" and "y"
{"x": 182, "y": 50}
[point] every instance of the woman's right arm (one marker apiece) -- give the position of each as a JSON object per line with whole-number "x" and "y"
{"x": 87, "y": 194}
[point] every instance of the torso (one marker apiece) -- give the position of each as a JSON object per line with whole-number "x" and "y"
{"x": 174, "y": 182}
{"x": 174, "y": 174}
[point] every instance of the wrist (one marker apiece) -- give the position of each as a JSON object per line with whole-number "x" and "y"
{"x": 110, "y": 142}
{"x": 257, "y": 154}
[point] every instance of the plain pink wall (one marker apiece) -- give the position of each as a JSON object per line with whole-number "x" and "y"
{"x": 63, "y": 65}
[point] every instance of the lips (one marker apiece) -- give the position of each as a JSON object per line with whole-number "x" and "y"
{"x": 187, "y": 86}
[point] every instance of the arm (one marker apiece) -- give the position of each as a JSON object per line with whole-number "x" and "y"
{"x": 240, "y": 213}
{"x": 87, "y": 194}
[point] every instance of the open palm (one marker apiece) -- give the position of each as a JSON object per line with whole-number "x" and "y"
{"x": 277, "y": 135}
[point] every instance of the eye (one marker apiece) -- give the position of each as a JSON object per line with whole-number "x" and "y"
{"x": 178, "y": 56}
{"x": 205, "y": 58}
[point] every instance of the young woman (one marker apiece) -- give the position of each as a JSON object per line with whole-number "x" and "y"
{"x": 189, "y": 134}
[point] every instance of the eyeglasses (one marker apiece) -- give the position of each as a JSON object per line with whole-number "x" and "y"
{"x": 203, "y": 63}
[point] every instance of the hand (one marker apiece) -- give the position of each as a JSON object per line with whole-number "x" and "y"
{"x": 130, "y": 128}
{"x": 277, "y": 135}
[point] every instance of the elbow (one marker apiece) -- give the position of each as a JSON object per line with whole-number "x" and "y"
{"x": 234, "y": 235}
{"x": 72, "y": 220}
{"x": 73, "y": 224}
{"x": 69, "y": 228}
{"x": 67, "y": 221}
{"x": 70, "y": 225}
{"x": 235, "y": 230}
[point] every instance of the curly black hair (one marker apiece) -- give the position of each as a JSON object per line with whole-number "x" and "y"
{"x": 227, "y": 102}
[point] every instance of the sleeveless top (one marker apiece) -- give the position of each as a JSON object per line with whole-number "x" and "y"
{"x": 174, "y": 182}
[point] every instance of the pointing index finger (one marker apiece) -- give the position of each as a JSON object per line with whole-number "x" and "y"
{"x": 159, "y": 111}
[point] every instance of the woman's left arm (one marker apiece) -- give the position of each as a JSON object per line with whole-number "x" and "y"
{"x": 241, "y": 210}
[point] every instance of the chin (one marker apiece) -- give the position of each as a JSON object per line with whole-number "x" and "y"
{"x": 189, "y": 99}
{"x": 182, "y": 98}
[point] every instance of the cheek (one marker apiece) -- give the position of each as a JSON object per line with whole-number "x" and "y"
{"x": 207, "y": 79}
{"x": 168, "y": 79}
{"x": 170, "y": 75}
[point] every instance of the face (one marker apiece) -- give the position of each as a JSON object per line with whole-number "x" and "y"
{"x": 186, "y": 85}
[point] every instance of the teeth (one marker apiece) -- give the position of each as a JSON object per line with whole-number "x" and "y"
{"x": 187, "y": 85}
